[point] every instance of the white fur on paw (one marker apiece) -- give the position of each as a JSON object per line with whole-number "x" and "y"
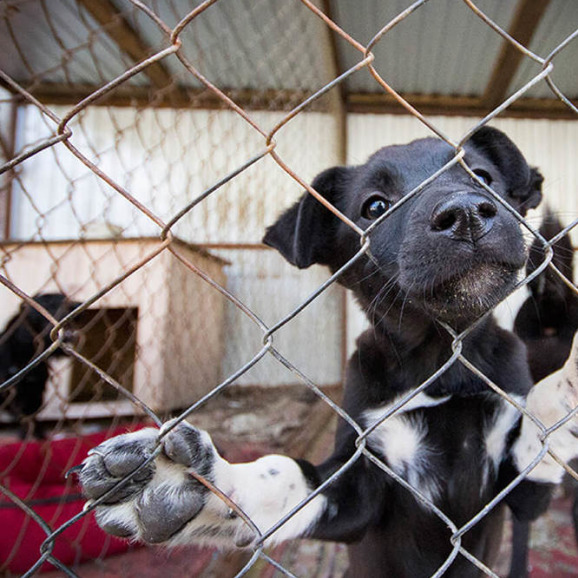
{"x": 271, "y": 487}
{"x": 551, "y": 401}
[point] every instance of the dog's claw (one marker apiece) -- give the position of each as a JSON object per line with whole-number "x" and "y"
{"x": 73, "y": 470}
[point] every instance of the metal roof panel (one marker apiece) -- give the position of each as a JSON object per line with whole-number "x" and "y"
{"x": 441, "y": 48}
{"x": 57, "y": 43}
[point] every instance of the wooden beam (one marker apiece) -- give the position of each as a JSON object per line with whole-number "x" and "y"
{"x": 119, "y": 29}
{"x": 528, "y": 16}
{"x": 200, "y": 98}
{"x": 286, "y": 100}
{"x": 381, "y": 102}
{"x": 7, "y": 152}
{"x": 544, "y": 108}
{"x": 336, "y": 70}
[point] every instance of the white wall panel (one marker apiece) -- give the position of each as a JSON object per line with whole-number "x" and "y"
{"x": 272, "y": 289}
{"x": 165, "y": 159}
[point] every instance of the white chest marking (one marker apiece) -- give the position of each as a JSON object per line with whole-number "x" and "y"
{"x": 497, "y": 433}
{"x": 400, "y": 439}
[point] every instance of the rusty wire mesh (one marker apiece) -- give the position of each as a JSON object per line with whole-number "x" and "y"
{"x": 125, "y": 281}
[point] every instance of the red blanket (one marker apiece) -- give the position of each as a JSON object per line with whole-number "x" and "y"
{"x": 34, "y": 471}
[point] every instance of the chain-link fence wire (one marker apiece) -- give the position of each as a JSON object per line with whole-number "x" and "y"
{"x": 149, "y": 275}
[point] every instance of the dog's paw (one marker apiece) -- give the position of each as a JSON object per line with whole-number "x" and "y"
{"x": 161, "y": 497}
{"x": 552, "y": 402}
{"x": 146, "y": 491}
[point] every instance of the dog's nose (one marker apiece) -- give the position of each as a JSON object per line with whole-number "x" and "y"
{"x": 464, "y": 216}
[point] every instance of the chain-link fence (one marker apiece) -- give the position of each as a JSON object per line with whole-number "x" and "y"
{"x": 145, "y": 148}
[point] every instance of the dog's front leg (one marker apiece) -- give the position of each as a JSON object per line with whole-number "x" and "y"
{"x": 550, "y": 401}
{"x": 163, "y": 502}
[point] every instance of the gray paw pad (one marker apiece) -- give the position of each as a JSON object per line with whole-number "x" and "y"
{"x": 164, "y": 510}
{"x": 112, "y": 461}
{"x": 185, "y": 445}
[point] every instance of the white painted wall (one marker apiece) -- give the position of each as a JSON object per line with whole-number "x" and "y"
{"x": 164, "y": 158}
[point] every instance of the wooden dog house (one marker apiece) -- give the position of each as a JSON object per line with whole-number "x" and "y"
{"x": 160, "y": 332}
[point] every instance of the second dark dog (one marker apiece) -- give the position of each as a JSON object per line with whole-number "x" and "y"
{"x": 447, "y": 254}
{"x": 26, "y": 336}
{"x": 548, "y": 319}
{"x": 546, "y": 322}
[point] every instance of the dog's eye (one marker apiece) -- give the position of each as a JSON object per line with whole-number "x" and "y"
{"x": 374, "y": 207}
{"x": 484, "y": 176}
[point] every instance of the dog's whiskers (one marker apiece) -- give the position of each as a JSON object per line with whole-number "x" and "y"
{"x": 376, "y": 271}
{"x": 403, "y": 304}
{"x": 381, "y": 296}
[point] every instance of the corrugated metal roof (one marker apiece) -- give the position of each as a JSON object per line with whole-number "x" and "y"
{"x": 248, "y": 44}
{"x": 254, "y": 44}
{"x": 560, "y": 20}
{"x": 57, "y": 42}
{"x": 442, "y": 48}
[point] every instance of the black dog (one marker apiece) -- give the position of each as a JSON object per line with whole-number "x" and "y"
{"x": 546, "y": 322}
{"x": 447, "y": 254}
{"x": 26, "y": 336}
{"x": 548, "y": 319}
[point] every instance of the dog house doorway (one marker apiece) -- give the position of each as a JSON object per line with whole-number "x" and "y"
{"x": 108, "y": 339}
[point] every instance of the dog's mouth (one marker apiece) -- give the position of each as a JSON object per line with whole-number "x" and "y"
{"x": 469, "y": 294}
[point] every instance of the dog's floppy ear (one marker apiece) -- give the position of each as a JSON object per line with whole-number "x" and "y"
{"x": 303, "y": 234}
{"x": 524, "y": 184}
